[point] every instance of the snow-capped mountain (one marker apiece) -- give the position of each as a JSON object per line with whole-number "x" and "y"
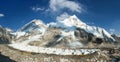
{"x": 61, "y": 37}
{"x": 33, "y": 25}
{"x": 70, "y": 33}
{"x": 73, "y": 22}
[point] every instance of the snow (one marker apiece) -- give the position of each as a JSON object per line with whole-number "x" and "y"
{"x": 107, "y": 34}
{"x": 18, "y": 34}
{"x": 69, "y": 26}
{"x": 66, "y": 33}
{"x": 70, "y": 33}
{"x": 75, "y": 44}
{"x": 72, "y": 22}
{"x": 30, "y": 40}
{"x": 72, "y": 43}
{"x": 57, "y": 51}
{"x": 51, "y": 24}
{"x": 23, "y": 46}
{"x": 98, "y": 32}
{"x": 8, "y": 29}
{"x": 35, "y": 37}
{"x": 33, "y": 25}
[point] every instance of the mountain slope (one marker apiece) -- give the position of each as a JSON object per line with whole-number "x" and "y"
{"x": 33, "y": 28}
{"x": 73, "y": 22}
{"x": 33, "y": 25}
{"x": 5, "y": 37}
{"x": 69, "y": 33}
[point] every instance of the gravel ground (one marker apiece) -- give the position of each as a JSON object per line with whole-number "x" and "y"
{"x": 105, "y": 55}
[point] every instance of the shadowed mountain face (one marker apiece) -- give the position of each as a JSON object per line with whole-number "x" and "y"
{"x": 116, "y": 37}
{"x": 5, "y": 36}
{"x": 5, "y": 59}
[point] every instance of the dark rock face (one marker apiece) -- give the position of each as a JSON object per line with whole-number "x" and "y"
{"x": 81, "y": 34}
{"x": 5, "y": 59}
{"x": 86, "y": 37}
{"x": 5, "y": 37}
{"x": 116, "y": 38}
{"x": 99, "y": 40}
{"x": 4, "y": 40}
{"x": 53, "y": 38}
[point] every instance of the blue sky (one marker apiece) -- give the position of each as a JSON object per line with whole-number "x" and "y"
{"x": 103, "y": 13}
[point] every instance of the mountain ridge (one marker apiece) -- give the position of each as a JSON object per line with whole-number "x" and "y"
{"x": 69, "y": 33}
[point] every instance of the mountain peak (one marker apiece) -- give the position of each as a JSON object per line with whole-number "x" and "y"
{"x": 37, "y": 21}
{"x": 74, "y": 16}
{"x": 32, "y": 25}
{"x": 72, "y": 21}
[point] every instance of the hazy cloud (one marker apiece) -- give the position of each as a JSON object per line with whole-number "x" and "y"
{"x": 2, "y": 15}
{"x": 90, "y": 23}
{"x": 57, "y": 9}
{"x": 62, "y": 16}
{"x": 112, "y": 31}
{"x": 37, "y": 9}
{"x": 56, "y": 5}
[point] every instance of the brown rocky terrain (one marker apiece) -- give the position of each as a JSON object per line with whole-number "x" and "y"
{"x": 104, "y": 55}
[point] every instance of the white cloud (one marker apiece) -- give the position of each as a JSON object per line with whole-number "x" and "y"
{"x": 62, "y": 16}
{"x": 37, "y": 9}
{"x": 90, "y": 23}
{"x": 2, "y": 15}
{"x": 112, "y": 31}
{"x": 57, "y": 5}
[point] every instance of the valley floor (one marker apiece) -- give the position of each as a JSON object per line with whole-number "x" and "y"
{"x": 104, "y": 55}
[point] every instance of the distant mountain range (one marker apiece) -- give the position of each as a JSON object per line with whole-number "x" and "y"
{"x": 69, "y": 33}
